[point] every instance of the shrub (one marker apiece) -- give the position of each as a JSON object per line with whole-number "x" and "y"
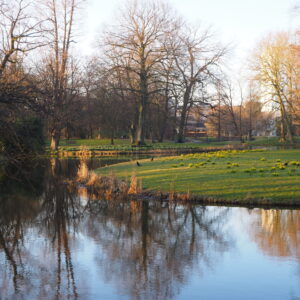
{"x": 25, "y": 136}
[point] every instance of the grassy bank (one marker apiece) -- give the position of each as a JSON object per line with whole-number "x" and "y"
{"x": 124, "y": 145}
{"x": 271, "y": 142}
{"x": 246, "y": 176}
{"x": 94, "y": 147}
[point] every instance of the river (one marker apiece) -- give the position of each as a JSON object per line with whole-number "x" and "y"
{"x": 56, "y": 243}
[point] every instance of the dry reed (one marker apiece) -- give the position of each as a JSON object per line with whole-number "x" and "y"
{"x": 133, "y": 189}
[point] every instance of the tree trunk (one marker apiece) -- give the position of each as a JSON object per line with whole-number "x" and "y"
{"x": 112, "y": 136}
{"x": 55, "y": 137}
{"x": 180, "y": 136}
{"x": 219, "y": 121}
{"x": 140, "y": 133}
{"x": 289, "y": 131}
{"x": 132, "y": 133}
{"x": 165, "y": 117}
{"x": 161, "y": 135}
{"x": 250, "y": 134}
{"x": 240, "y": 126}
{"x": 282, "y": 129}
{"x": 91, "y": 131}
{"x": 286, "y": 130}
{"x": 162, "y": 127}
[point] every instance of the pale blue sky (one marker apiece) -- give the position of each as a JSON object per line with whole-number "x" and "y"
{"x": 239, "y": 22}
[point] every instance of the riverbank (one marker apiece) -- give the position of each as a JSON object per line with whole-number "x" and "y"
{"x": 103, "y": 147}
{"x": 94, "y": 147}
{"x": 253, "y": 177}
{"x": 86, "y": 152}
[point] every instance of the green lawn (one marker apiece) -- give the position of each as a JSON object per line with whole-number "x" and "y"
{"x": 234, "y": 175}
{"x": 270, "y": 141}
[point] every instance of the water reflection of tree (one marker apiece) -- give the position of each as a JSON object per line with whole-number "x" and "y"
{"x": 52, "y": 217}
{"x": 151, "y": 248}
{"x": 24, "y": 178}
{"x": 11, "y": 236}
{"x": 60, "y": 214}
{"x": 277, "y": 232}
{"x": 21, "y": 187}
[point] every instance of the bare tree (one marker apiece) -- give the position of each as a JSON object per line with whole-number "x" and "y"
{"x": 59, "y": 69}
{"x": 231, "y": 109}
{"x": 139, "y": 40}
{"x": 20, "y": 32}
{"x": 198, "y": 59}
{"x": 165, "y": 103}
{"x": 274, "y": 73}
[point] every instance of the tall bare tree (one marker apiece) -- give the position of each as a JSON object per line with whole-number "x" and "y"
{"x": 198, "y": 58}
{"x": 274, "y": 73}
{"x": 231, "y": 108}
{"x": 59, "y": 68}
{"x": 140, "y": 39}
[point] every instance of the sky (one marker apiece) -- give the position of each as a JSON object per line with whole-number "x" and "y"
{"x": 239, "y": 23}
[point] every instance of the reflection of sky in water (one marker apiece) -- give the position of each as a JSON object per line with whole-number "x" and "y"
{"x": 242, "y": 273}
{"x": 144, "y": 250}
{"x": 246, "y": 273}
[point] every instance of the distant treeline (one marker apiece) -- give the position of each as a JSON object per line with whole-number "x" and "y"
{"x": 152, "y": 76}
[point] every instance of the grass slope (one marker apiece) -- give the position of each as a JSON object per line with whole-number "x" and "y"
{"x": 234, "y": 175}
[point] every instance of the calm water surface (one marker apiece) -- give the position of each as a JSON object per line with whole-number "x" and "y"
{"x": 60, "y": 243}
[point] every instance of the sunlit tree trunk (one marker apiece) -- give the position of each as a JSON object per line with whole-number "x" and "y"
{"x": 183, "y": 116}
{"x": 55, "y": 138}
{"x": 143, "y": 106}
